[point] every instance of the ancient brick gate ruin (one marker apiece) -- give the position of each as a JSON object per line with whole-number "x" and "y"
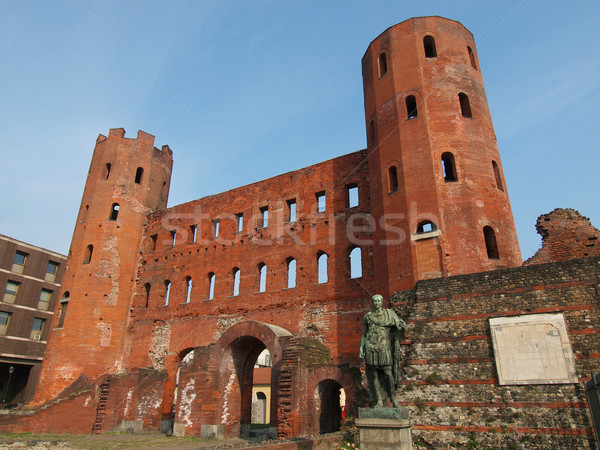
{"x": 164, "y": 311}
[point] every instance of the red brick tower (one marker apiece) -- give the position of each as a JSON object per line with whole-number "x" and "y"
{"x": 128, "y": 178}
{"x": 437, "y": 189}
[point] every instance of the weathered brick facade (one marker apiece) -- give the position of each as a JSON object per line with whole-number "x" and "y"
{"x": 175, "y": 305}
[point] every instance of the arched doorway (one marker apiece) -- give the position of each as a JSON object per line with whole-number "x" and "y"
{"x": 330, "y": 396}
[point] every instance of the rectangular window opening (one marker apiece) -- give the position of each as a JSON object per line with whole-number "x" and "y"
{"x": 51, "y": 271}
{"x": 193, "y": 233}
{"x": 264, "y": 216}
{"x": 291, "y": 216}
{"x": 4, "y": 319}
{"x": 10, "y": 291}
{"x": 44, "y": 301}
{"x": 352, "y": 196}
{"x": 239, "y": 219}
{"x": 19, "y": 262}
{"x": 36, "y": 329}
{"x": 215, "y": 228}
{"x": 321, "y": 201}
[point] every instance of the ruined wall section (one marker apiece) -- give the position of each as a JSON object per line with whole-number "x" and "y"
{"x": 128, "y": 179}
{"x": 450, "y": 377}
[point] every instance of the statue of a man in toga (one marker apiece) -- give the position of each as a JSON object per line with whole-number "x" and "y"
{"x": 379, "y": 347}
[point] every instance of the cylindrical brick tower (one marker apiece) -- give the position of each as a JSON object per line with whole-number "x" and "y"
{"x": 128, "y": 179}
{"x": 437, "y": 189}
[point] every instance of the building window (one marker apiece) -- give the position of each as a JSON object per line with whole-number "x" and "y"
{"x": 291, "y": 210}
{"x": 355, "y": 263}
{"x": 322, "y": 268}
{"x": 291, "y": 273}
{"x": 173, "y": 237}
{"x": 138, "y": 175}
{"x": 465, "y": 105}
{"x": 62, "y": 312}
{"x": 448, "y": 167}
{"x": 215, "y": 224}
{"x": 382, "y": 64}
{"x": 44, "y": 301}
{"x": 496, "y": 170}
{"x": 193, "y": 233}
{"x": 429, "y": 45}
{"x": 239, "y": 218}
{"x": 19, "y": 262}
{"x": 36, "y": 329}
{"x": 427, "y": 226}
{"x": 351, "y": 196}
{"x": 264, "y": 216}
{"x": 147, "y": 288}
{"x": 392, "y": 179}
{"x": 167, "y": 292}
{"x": 321, "y": 201}
{"x": 472, "y": 57}
{"x": 411, "y": 107}
{"x": 51, "y": 271}
{"x": 4, "y": 319}
{"x": 106, "y": 171}
{"x": 490, "y": 243}
{"x": 88, "y": 254}
{"x": 188, "y": 295}
{"x": 152, "y": 243}
{"x": 262, "y": 277}
{"x": 212, "y": 278}
{"x": 114, "y": 212}
{"x": 10, "y": 291}
{"x": 236, "y": 281}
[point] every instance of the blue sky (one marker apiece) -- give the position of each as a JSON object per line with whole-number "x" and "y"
{"x": 278, "y": 86}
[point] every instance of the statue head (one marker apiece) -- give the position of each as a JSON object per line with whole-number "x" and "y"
{"x": 377, "y": 301}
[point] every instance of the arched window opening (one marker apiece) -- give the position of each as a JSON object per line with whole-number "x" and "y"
{"x": 138, "y": 175}
{"x": 62, "y": 311}
{"x": 449, "y": 167}
{"x": 429, "y": 44}
{"x": 465, "y": 106}
{"x": 188, "y": 282}
{"x": 167, "y": 291}
{"x": 236, "y": 281}
{"x": 332, "y": 399}
{"x": 355, "y": 263}
{"x": 393, "y": 179}
{"x": 88, "y": 254}
{"x": 211, "y": 285}
{"x": 371, "y": 132}
{"x": 322, "y": 268}
{"x": 262, "y": 277}
{"x": 114, "y": 212}
{"x": 472, "y": 57}
{"x": 427, "y": 226}
{"x": 147, "y": 288}
{"x": 411, "y": 107}
{"x": 497, "y": 175}
{"x": 490, "y": 243}
{"x": 382, "y": 65}
{"x": 106, "y": 171}
{"x": 291, "y": 273}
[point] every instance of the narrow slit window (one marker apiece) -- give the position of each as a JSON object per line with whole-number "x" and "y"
{"x": 472, "y": 57}
{"x": 88, "y": 254}
{"x": 291, "y": 210}
{"x": 264, "y": 216}
{"x": 355, "y": 263}
{"x": 429, "y": 45}
{"x": 262, "y": 277}
{"x": 449, "y": 167}
{"x": 352, "y": 196}
{"x": 491, "y": 245}
{"x": 215, "y": 228}
{"x": 240, "y": 222}
{"x": 465, "y": 105}
{"x": 291, "y": 273}
{"x": 497, "y": 177}
{"x": 114, "y": 211}
{"x": 393, "y": 179}
{"x": 147, "y": 288}
{"x": 188, "y": 282}
{"x": 236, "y": 281}
{"x": 193, "y": 233}
{"x": 322, "y": 268}
{"x": 138, "y": 175}
{"x": 411, "y": 107}
{"x": 62, "y": 312}
{"x": 321, "y": 201}
{"x": 382, "y": 64}
{"x": 167, "y": 292}
{"x": 173, "y": 238}
{"x": 212, "y": 278}
{"x": 107, "y": 168}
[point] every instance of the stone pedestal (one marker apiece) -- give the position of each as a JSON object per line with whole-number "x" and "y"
{"x": 384, "y": 428}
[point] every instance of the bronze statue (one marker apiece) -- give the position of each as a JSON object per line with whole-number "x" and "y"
{"x": 379, "y": 347}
